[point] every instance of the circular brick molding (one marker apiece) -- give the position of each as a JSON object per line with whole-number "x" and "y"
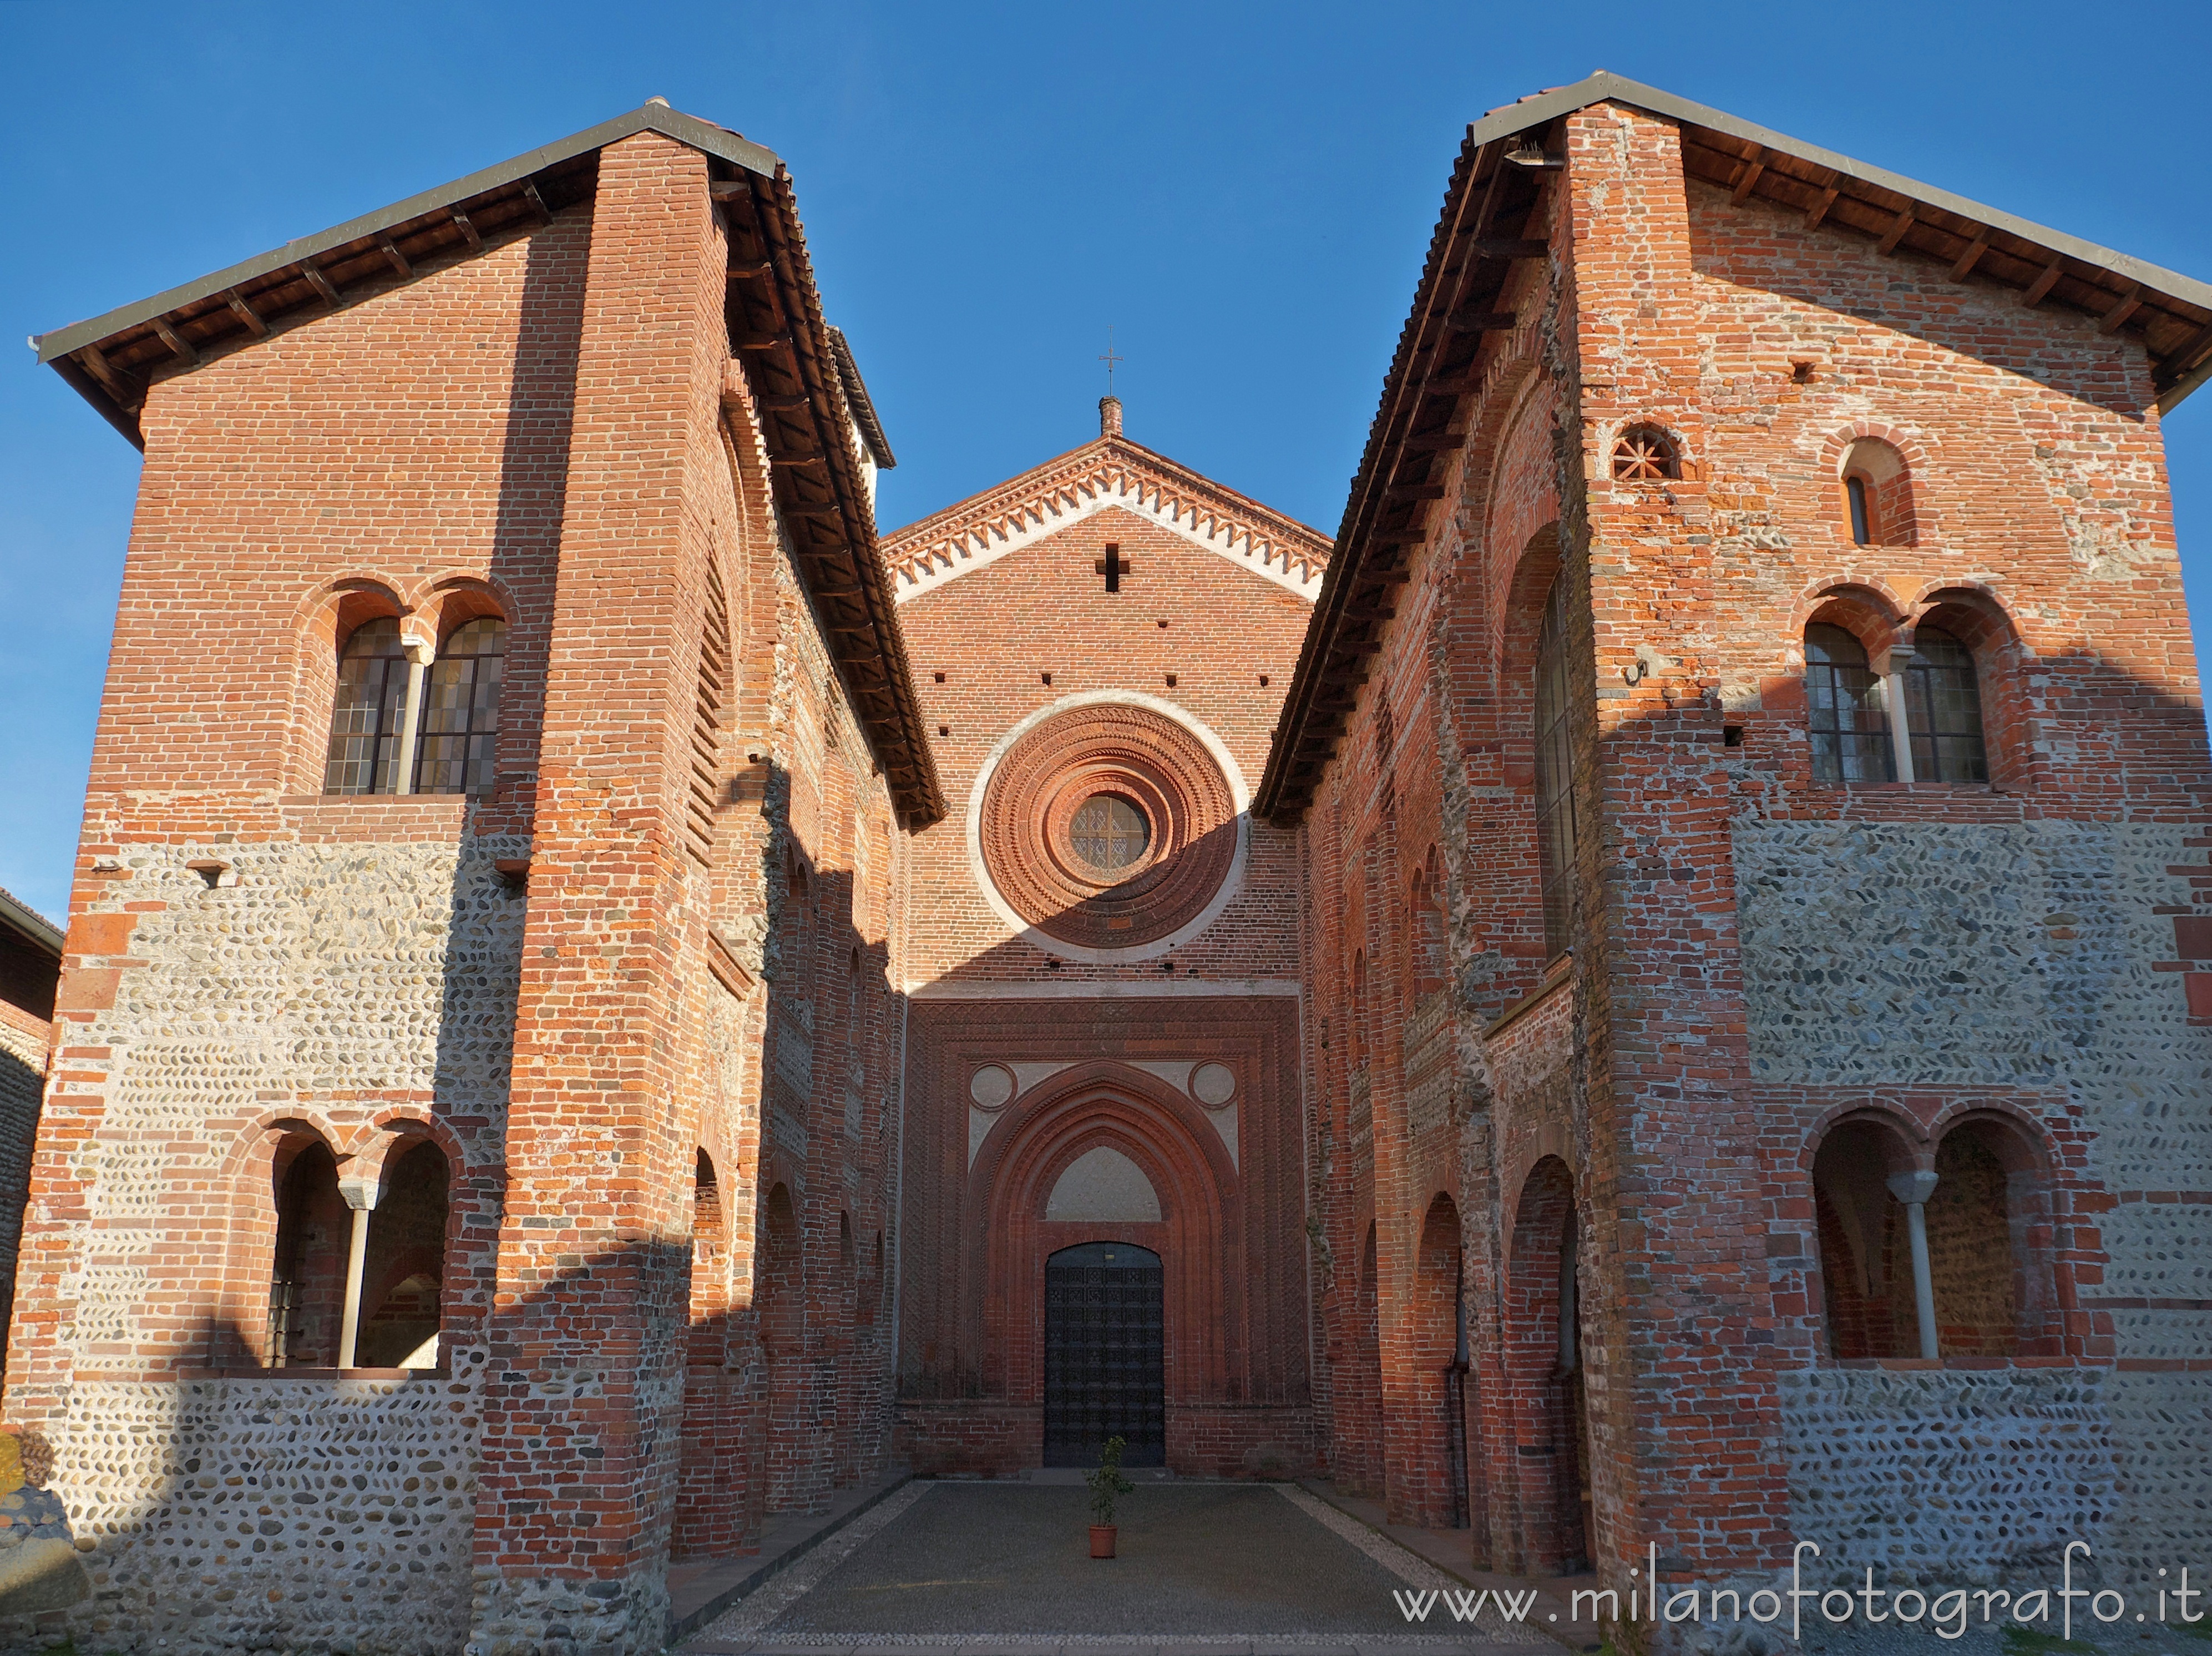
{"x": 1109, "y": 826}
{"x": 1214, "y": 1084}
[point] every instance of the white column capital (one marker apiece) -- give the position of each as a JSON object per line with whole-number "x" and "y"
{"x": 360, "y": 1191}
{"x": 1914, "y": 1187}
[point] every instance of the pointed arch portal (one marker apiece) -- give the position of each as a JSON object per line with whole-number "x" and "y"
{"x": 1103, "y": 1373}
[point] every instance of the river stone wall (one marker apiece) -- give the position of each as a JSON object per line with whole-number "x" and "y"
{"x": 2003, "y": 954}
{"x": 228, "y": 1513}
{"x": 1946, "y": 1477}
{"x": 23, "y": 1079}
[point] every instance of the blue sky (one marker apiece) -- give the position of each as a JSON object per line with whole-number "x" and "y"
{"x": 1244, "y": 192}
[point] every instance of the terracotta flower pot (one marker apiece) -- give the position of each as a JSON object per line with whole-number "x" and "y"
{"x": 1102, "y": 1540}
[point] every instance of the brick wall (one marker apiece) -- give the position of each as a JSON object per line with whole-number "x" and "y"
{"x": 1756, "y": 955}
{"x": 549, "y": 982}
{"x": 1104, "y": 1043}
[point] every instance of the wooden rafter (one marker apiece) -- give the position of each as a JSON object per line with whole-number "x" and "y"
{"x": 2035, "y": 291}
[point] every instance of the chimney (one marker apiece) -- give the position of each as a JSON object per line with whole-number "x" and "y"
{"x": 1109, "y": 416}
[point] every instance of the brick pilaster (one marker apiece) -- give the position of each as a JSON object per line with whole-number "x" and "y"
{"x": 583, "y": 1402}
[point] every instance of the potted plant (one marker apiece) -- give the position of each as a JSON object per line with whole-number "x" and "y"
{"x": 1107, "y": 1487}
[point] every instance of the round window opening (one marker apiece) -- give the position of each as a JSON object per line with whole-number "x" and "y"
{"x": 1108, "y": 826}
{"x": 1109, "y": 831}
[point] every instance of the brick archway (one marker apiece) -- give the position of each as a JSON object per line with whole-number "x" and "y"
{"x": 1198, "y": 1236}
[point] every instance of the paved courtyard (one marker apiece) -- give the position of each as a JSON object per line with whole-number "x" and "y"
{"x": 992, "y": 1567}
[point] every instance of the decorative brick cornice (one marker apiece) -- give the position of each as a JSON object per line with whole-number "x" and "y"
{"x": 1110, "y": 471}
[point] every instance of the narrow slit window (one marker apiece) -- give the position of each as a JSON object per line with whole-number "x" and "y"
{"x": 461, "y": 711}
{"x": 1854, "y": 491}
{"x": 366, "y": 712}
{"x": 1842, "y": 698}
{"x": 1943, "y": 709}
{"x": 1555, "y": 793}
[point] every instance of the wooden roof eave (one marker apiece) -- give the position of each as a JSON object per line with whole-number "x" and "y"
{"x": 1409, "y": 451}
{"x": 2173, "y": 314}
{"x": 2039, "y": 265}
{"x": 112, "y": 359}
{"x": 812, "y": 435}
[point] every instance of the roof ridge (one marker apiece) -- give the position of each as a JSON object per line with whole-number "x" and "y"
{"x": 981, "y": 528}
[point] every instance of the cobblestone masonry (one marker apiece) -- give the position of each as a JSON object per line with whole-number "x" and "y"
{"x": 1946, "y": 1479}
{"x": 1756, "y": 956}
{"x": 390, "y": 967}
{"x": 2006, "y": 955}
{"x": 644, "y": 1353}
{"x": 24, "y": 1041}
{"x": 231, "y": 1514}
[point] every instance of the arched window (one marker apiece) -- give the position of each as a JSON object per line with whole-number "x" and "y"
{"x": 1555, "y": 769}
{"x": 1866, "y": 1275}
{"x": 1856, "y": 497}
{"x": 1430, "y": 963}
{"x": 1970, "y": 1254}
{"x": 461, "y": 711}
{"x": 1943, "y": 710}
{"x": 1877, "y": 494}
{"x": 708, "y": 1267}
{"x": 1644, "y": 454}
{"x": 709, "y": 714}
{"x": 403, "y": 1273}
{"x": 368, "y": 711}
{"x": 307, "y": 1289}
{"x": 1851, "y": 736}
{"x": 1358, "y": 1021}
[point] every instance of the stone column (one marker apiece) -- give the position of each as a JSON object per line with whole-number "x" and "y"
{"x": 584, "y": 1386}
{"x": 1892, "y": 693}
{"x": 1913, "y": 1190}
{"x": 421, "y": 652}
{"x": 359, "y": 1195}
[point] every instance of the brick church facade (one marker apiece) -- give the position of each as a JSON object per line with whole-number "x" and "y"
{"x": 1630, "y": 1004}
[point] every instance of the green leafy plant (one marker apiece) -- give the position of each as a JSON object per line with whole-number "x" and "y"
{"x": 1107, "y": 1484}
{"x": 2029, "y": 1641}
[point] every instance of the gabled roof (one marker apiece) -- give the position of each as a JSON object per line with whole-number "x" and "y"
{"x": 1441, "y": 350}
{"x": 108, "y": 359}
{"x": 1109, "y": 471}
{"x": 2169, "y": 311}
{"x": 811, "y": 404}
{"x": 863, "y": 406}
{"x": 34, "y": 927}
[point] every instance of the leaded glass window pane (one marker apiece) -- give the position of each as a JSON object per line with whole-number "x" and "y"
{"x": 367, "y": 711}
{"x": 460, "y": 712}
{"x": 1943, "y": 711}
{"x": 1842, "y": 698}
{"x": 1108, "y": 831}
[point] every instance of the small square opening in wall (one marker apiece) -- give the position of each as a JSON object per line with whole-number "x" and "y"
{"x": 1171, "y": 681}
{"x": 945, "y": 730}
{"x": 1163, "y": 626}
{"x": 939, "y": 677}
{"x": 1263, "y": 681}
{"x": 1045, "y": 677}
{"x": 1801, "y": 371}
{"x": 1732, "y": 735}
{"x": 214, "y": 873}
